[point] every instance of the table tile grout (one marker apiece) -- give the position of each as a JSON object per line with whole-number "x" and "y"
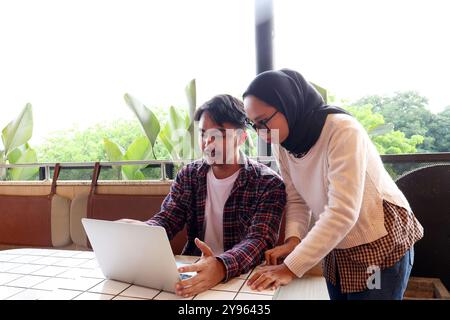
{"x": 80, "y": 272}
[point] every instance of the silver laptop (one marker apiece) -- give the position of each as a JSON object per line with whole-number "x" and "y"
{"x": 134, "y": 253}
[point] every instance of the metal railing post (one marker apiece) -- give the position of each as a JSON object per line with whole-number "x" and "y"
{"x": 47, "y": 173}
{"x": 163, "y": 171}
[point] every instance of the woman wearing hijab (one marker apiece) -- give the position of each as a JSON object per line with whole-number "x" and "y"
{"x": 364, "y": 229}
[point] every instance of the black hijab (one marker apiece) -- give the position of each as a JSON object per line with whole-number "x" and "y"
{"x": 298, "y": 101}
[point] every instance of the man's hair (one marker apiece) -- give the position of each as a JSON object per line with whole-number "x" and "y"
{"x": 223, "y": 108}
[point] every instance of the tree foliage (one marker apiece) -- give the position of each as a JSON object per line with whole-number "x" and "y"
{"x": 386, "y": 141}
{"x": 409, "y": 113}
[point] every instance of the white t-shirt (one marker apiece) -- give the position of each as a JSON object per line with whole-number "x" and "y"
{"x": 218, "y": 191}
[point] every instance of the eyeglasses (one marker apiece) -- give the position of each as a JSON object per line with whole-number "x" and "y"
{"x": 261, "y": 124}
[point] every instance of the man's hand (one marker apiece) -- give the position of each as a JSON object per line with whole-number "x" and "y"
{"x": 210, "y": 271}
{"x": 271, "y": 277}
{"x": 276, "y": 255}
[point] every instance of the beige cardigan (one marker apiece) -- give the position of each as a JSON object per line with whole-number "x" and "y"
{"x": 342, "y": 182}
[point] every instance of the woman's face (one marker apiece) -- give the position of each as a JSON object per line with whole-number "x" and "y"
{"x": 270, "y": 124}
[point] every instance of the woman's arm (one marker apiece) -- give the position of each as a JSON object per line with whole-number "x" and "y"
{"x": 298, "y": 214}
{"x": 347, "y": 163}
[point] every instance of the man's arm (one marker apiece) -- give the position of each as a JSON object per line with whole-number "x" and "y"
{"x": 262, "y": 234}
{"x": 176, "y": 205}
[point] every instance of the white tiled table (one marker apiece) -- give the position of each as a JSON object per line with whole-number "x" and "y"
{"x": 50, "y": 274}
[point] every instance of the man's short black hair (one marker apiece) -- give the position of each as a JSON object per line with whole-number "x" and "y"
{"x": 223, "y": 108}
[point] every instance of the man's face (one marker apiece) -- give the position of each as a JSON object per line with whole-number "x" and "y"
{"x": 219, "y": 143}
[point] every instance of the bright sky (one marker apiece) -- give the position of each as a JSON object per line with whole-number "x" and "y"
{"x": 74, "y": 59}
{"x": 359, "y": 47}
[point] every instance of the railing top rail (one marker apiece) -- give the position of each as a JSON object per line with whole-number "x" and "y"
{"x": 87, "y": 165}
{"x": 416, "y": 157}
{"x": 387, "y": 158}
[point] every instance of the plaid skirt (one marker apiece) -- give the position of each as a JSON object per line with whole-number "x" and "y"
{"x": 355, "y": 265}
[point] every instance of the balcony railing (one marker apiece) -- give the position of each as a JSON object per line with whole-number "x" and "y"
{"x": 416, "y": 157}
{"x": 166, "y": 167}
{"x": 400, "y": 164}
{"x": 396, "y": 165}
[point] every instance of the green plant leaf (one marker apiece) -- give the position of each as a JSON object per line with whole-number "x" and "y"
{"x": 323, "y": 92}
{"x": 193, "y": 135}
{"x": 176, "y": 134}
{"x": 146, "y": 117}
{"x": 138, "y": 175}
{"x": 113, "y": 150}
{"x": 14, "y": 155}
{"x": 164, "y": 136}
{"x": 176, "y": 120}
{"x": 186, "y": 150}
{"x": 140, "y": 149}
{"x": 5, "y": 134}
{"x": 2, "y": 161}
{"x": 191, "y": 94}
{"x": 28, "y": 156}
{"x": 187, "y": 121}
{"x": 18, "y": 131}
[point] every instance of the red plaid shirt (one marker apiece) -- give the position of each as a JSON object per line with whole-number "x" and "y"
{"x": 251, "y": 216}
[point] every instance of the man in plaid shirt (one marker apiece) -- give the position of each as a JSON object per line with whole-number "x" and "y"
{"x": 230, "y": 202}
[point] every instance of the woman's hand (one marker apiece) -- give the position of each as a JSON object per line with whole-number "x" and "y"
{"x": 277, "y": 254}
{"x": 271, "y": 277}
